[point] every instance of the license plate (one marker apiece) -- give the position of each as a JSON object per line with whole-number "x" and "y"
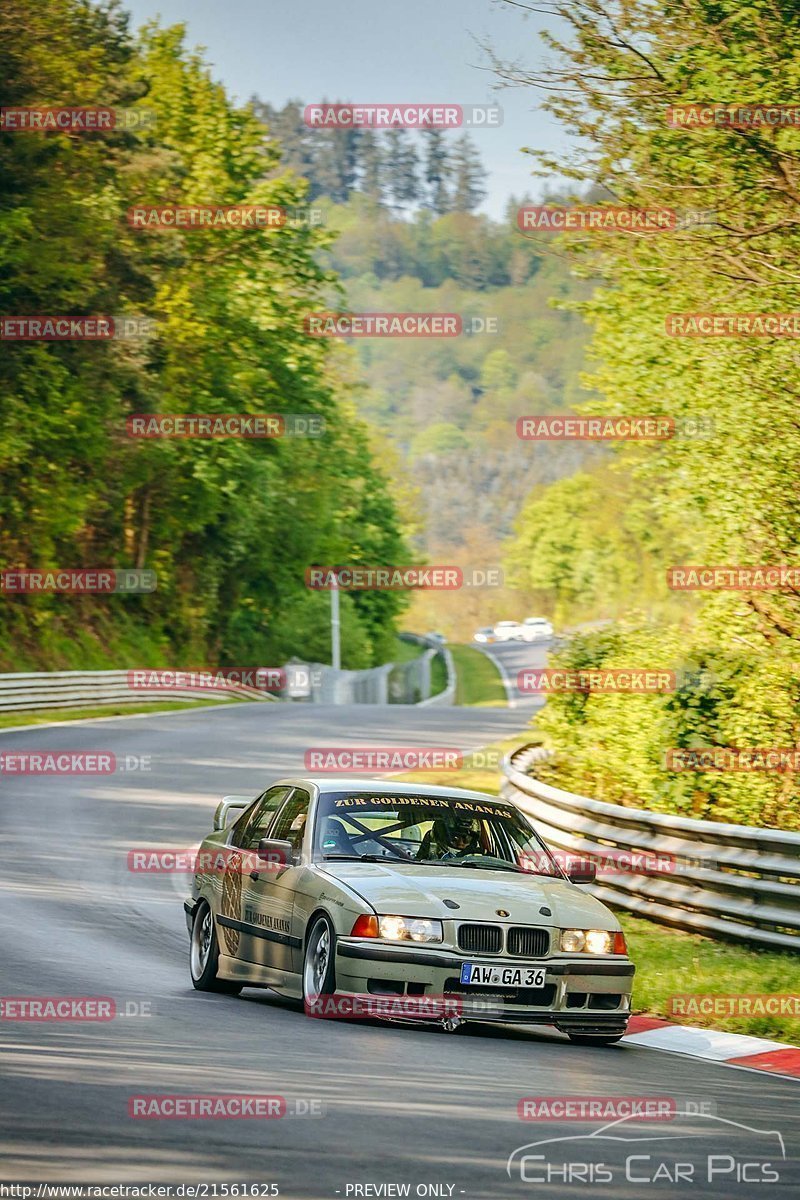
{"x": 493, "y": 973}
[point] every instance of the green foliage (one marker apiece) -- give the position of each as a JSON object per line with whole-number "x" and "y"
{"x": 723, "y": 489}
{"x": 730, "y": 691}
{"x": 228, "y": 525}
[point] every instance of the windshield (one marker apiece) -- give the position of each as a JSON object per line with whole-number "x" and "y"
{"x": 428, "y": 830}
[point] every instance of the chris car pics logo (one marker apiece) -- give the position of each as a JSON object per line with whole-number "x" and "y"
{"x": 701, "y": 1148}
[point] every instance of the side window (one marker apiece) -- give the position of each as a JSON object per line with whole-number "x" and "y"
{"x": 253, "y": 824}
{"x": 291, "y": 821}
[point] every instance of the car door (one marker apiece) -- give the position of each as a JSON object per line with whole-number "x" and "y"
{"x": 268, "y": 895}
{"x": 247, "y": 832}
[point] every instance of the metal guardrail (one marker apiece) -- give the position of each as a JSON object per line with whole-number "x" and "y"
{"x": 392, "y": 683}
{"x": 28, "y": 691}
{"x": 728, "y": 881}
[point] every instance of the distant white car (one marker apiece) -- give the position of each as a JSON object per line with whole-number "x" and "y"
{"x": 508, "y": 631}
{"x": 486, "y": 634}
{"x": 536, "y": 629}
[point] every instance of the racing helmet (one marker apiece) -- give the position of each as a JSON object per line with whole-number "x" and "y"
{"x": 456, "y": 834}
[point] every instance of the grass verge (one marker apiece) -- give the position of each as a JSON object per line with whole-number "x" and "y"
{"x": 478, "y": 681}
{"x": 670, "y": 963}
{"x": 44, "y": 716}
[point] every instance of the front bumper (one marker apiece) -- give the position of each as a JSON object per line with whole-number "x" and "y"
{"x": 578, "y": 996}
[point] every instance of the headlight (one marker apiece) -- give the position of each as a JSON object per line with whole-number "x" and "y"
{"x": 599, "y": 941}
{"x": 412, "y": 929}
{"x": 590, "y": 941}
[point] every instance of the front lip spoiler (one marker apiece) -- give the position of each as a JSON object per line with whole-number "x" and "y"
{"x": 445, "y": 960}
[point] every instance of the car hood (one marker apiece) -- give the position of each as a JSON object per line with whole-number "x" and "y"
{"x": 409, "y": 890}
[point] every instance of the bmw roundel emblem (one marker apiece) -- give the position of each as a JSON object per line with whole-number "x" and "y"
{"x": 501, "y": 912}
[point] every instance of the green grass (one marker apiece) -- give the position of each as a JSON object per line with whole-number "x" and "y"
{"x": 481, "y": 770}
{"x": 478, "y": 680}
{"x": 438, "y": 674}
{"x": 669, "y": 962}
{"x": 405, "y": 651}
{"x": 43, "y": 716}
{"x": 672, "y": 963}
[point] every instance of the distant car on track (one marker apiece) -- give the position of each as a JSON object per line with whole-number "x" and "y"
{"x": 508, "y": 631}
{"x": 349, "y": 888}
{"x": 536, "y": 629}
{"x": 486, "y": 634}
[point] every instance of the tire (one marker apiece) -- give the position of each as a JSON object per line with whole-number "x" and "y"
{"x": 319, "y": 968}
{"x": 204, "y": 955}
{"x": 595, "y": 1039}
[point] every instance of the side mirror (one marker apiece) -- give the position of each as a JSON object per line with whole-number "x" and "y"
{"x": 582, "y": 870}
{"x": 228, "y": 807}
{"x": 276, "y": 852}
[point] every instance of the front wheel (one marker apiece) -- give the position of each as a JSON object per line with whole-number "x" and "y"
{"x": 204, "y": 955}
{"x": 319, "y": 971}
{"x": 592, "y": 1039}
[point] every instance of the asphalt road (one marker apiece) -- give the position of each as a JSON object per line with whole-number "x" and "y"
{"x": 512, "y": 657}
{"x": 406, "y": 1106}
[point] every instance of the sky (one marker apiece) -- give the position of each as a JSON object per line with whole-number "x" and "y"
{"x": 413, "y": 51}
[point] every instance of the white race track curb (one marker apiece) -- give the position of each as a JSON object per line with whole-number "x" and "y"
{"x": 716, "y": 1045}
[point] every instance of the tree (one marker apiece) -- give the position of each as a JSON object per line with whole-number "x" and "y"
{"x": 372, "y": 166}
{"x": 723, "y": 486}
{"x": 437, "y": 172}
{"x": 297, "y": 142}
{"x": 468, "y": 176}
{"x": 229, "y": 525}
{"x": 402, "y": 165}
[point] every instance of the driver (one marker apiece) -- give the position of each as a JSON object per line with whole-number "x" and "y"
{"x": 451, "y": 838}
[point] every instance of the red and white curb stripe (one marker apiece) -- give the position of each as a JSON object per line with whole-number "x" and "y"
{"x": 735, "y": 1049}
